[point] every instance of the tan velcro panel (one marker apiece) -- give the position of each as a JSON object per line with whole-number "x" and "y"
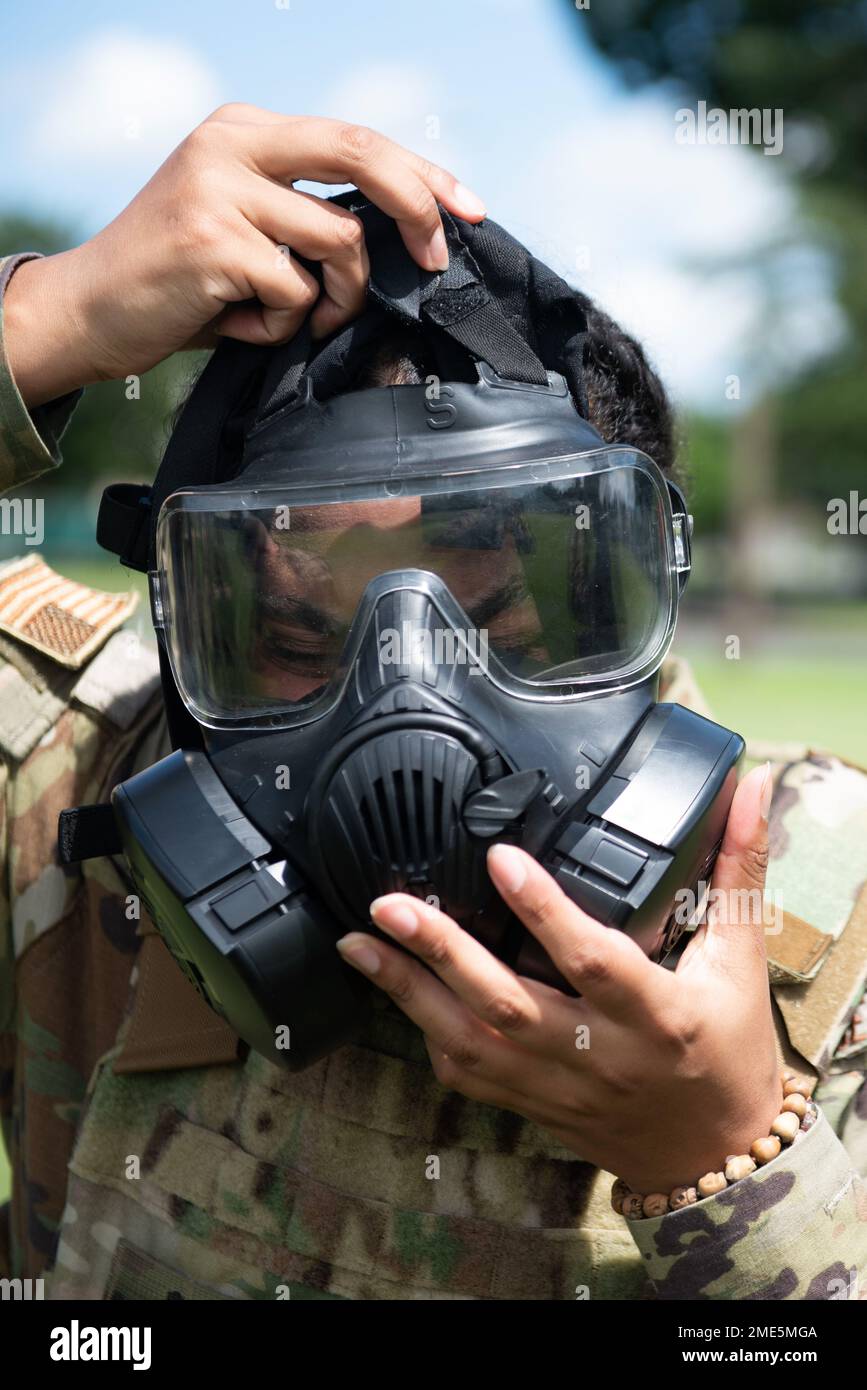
{"x": 798, "y": 951}
{"x": 56, "y": 616}
{"x": 817, "y": 1012}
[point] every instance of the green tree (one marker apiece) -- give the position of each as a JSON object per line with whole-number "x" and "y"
{"x": 807, "y": 57}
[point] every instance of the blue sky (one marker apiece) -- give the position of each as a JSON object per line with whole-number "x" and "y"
{"x": 506, "y": 93}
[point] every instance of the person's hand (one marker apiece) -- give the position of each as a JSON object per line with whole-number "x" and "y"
{"x": 206, "y": 248}
{"x": 680, "y": 1069}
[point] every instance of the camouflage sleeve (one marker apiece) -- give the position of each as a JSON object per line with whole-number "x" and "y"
{"x": 795, "y": 1229}
{"x": 28, "y": 441}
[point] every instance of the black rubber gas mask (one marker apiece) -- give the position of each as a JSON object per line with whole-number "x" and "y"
{"x": 415, "y": 621}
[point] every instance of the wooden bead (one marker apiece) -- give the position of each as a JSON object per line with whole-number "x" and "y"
{"x": 796, "y": 1103}
{"x": 710, "y": 1183}
{"x": 786, "y": 1126}
{"x": 739, "y": 1167}
{"x": 787, "y": 1075}
{"x": 796, "y": 1087}
{"x": 633, "y": 1207}
{"x": 763, "y": 1150}
{"x": 619, "y": 1190}
{"x": 656, "y": 1204}
{"x": 682, "y": 1197}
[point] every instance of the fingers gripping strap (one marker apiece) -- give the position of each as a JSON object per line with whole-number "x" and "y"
{"x": 456, "y": 302}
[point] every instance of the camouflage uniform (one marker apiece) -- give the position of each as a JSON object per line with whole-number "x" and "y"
{"x": 153, "y": 1157}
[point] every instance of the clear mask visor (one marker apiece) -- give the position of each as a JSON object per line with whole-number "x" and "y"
{"x": 563, "y": 573}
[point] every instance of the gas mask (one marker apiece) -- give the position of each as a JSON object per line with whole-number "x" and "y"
{"x": 402, "y": 624}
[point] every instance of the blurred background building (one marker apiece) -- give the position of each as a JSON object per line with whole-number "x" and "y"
{"x": 742, "y": 266}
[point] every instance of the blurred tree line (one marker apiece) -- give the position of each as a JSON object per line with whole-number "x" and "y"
{"x": 809, "y": 59}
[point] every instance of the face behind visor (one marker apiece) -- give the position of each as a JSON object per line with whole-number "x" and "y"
{"x": 561, "y": 557}
{"x": 418, "y": 620}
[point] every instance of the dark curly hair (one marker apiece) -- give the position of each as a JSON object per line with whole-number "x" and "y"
{"x": 627, "y": 401}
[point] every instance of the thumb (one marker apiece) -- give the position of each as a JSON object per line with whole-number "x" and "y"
{"x": 735, "y": 910}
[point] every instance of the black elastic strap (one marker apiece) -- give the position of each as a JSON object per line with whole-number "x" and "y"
{"x": 87, "y": 832}
{"x": 488, "y": 337}
{"x": 546, "y": 311}
{"x": 456, "y": 302}
{"x": 123, "y": 523}
{"x": 460, "y": 303}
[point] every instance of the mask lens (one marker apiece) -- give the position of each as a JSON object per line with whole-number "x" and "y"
{"x": 561, "y": 576}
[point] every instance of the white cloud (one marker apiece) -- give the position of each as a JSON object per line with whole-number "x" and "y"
{"x": 386, "y": 97}
{"x": 407, "y": 104}
{"x": 118, "y": 97}
{"x": 666, "y": 238}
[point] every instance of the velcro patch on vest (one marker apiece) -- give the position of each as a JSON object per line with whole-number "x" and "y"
{"x": 56, "y": 616}
{"x": 797, "y": 952}
{"x": 818, "y": 1014}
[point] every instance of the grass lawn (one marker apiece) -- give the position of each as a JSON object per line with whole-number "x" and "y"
{"x": 790, "y": 700}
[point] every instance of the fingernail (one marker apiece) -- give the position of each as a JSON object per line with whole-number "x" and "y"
{"x": 508, "y": 868}
{"x": 438, "y": 250}
{"x": 471, "y": 206}
{"x": 355, "y": 951}
{"x": 767, "y": 793}
{"x": 395, "y": 918}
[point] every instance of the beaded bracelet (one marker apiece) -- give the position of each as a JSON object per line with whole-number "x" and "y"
{"x": 797, "y": 1114}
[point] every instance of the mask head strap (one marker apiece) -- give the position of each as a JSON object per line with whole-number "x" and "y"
{"x": 454, "y": 310}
